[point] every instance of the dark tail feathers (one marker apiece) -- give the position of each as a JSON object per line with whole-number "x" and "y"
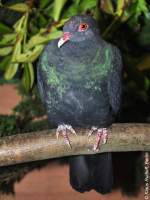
{"x": 91, "y": 172}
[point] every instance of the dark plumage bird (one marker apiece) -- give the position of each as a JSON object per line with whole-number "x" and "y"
{"x": 79, "y": 79}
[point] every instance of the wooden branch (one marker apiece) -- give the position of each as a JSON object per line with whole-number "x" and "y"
{"x": 43, "y": 145}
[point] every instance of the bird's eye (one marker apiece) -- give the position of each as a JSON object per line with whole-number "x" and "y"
{"x": 83, "y": 27}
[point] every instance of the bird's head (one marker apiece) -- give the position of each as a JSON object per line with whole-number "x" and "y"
{"x": 79, "y": 28}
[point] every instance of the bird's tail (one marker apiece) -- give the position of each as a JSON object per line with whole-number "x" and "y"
{"x": 92, "y": 172}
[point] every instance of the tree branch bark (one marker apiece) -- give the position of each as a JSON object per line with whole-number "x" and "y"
{"x": 44, "y": 145}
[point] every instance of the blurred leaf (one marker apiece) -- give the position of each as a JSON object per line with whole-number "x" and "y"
{"x": 49, "y": 10}
{"x": 77, "y": 2}
{"x": 147, "y": 84}
{"x": 144, "y": 35}
{"x": 120, "y": 7}
{"x": 107, "y": 6}
{"x": 11, "y": 71}
{"x": 4, "y": 62}
{"x": 29, "y": 56}
{"x": 144, "y": 63}
{"x": 13, "y": 67}
{"x": 58, "y": 6}
{"x": 39, "y": 38}
{"x": 4, "y": 28}
{"x": 61, "y": 23}
{"x": 8, "y": 39}
{"x": 125, "y": 16}
{"x": 28, "y": 76}
{"x": 19, "y": 24}
{"x": 42, "y": 21}
{"x": 5, "y": 51}
{"x": 72, "y": 10}
{"x": 141, "y": 7}
{"x": 17, "y": 49}
{"x": 137, "y": 8}
{"x": 31, "y": 72}
{"x": 87, "y": 5}
{"x": 147, "y": 15}
{"x": 141, "y": 80}
{"x": 20, "y": 7}
{"x": 43, "y": 3}
{"x": 97, "y": 14}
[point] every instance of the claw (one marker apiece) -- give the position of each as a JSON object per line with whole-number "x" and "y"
{"x": 60, "y": 128}
{"x": 66, "y": 138}
{"x": 93, "y": 129}
{"x": 64, "y": 128}
{"x": 101, "y": 136}
{"x": 98, "y": 139}
{"x": 104, "y": 136}
{"x": 71, "y": 129}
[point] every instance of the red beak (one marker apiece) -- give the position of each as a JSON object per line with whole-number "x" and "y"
{"x": 66, "y": 37}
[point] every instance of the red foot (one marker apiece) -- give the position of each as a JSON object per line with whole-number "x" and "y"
{"x": 65, "y": 129}
{"x": 101, "y": 137}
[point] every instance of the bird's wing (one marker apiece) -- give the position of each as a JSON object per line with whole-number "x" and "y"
{"x": 43, "y": 71}
{"x": 114, "y": 86}
{"x": 40, "y": 82}
{"x": 47, "y": 80}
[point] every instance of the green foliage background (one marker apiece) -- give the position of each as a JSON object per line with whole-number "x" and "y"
{"x": 27, "y": 26}
{"x": 22, "y": 42}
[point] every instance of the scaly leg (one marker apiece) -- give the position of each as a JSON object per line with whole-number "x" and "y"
{"x": 101, "y": 136}
{"x": 65, "y": 129}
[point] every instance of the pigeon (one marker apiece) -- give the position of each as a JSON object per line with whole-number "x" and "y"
{"x": 79, "y": 78}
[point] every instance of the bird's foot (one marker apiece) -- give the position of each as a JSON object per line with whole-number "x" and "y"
{"x": 101, "y": 136}
{"x": 65, "y": 129}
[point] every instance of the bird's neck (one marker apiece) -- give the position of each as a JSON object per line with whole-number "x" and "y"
{"x": 81, "y": 48}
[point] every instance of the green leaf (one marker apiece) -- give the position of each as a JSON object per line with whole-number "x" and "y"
{"x": 97, "y": 15}
{"x": 13, "y": 66}
{"x": 29, "y": 56}
{"x": 20, "y": 7}
{"x": 87, "y": 5}
{"x": 17, "y": 50}
{"x": 11, "y": 71}
{"x": 49, "y": 10}
{"x": 71, "y": 11}
{"x": 77, "y": 2}
{"x": 31, "y": 72}
{"x": 137, "y": 8}
{"x": 5, "y": 62}
{"x": 120, "y": 7}
{"x": 4, "y": 28}
{"x": 147, "y": 84}
{"x": 107, "y": 6}
{"x": 28, "y": 76}
{"x": 5, "y": 51}
{"x": 42, "y": 38}
{"x": 18, "y": 26}
{"x": 44, "y": 3}
{"x": 8, "y": 39}
{"x": 42, "y": 21}
{"x": 144, "y": 36}
{"x": 142, "y": 7}
{"x": 60, "y": 24}
{"x": 58, "y": 6}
